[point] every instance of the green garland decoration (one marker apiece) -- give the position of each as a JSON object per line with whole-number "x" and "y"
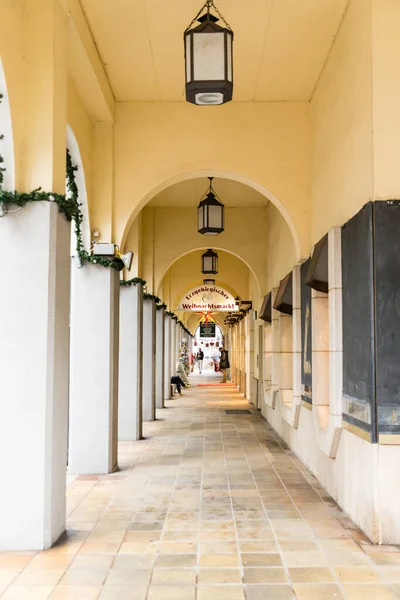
{"x": 155, "y": 299}
{"x": 161, "y": 306}
{"x": 134, "y": 281}
{"x": 113, "y": 263}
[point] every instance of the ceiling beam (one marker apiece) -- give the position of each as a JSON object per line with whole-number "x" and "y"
{"x": 86, "y": 68}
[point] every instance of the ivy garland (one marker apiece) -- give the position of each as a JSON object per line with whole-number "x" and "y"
{"x": 134, "y": 281}
{"x": 155, "y": 299}
{"x": 113, "y": 263}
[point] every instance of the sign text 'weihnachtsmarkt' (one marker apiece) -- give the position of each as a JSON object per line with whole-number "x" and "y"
{"x": 208, "y": 298}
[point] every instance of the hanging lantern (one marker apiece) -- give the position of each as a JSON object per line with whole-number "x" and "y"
{"x": 209, "y": 263}
{"x": 210, "y": 213}
{"x": 208, "y": 58}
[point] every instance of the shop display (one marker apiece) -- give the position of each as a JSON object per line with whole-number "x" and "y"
{"x": 184, "y": 358}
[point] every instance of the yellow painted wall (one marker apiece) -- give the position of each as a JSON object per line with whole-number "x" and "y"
{"x": 269, "y": 144}
{"x": 281, "y": 253}
{"x": 386, "y": 97}
{"x": 82, "y": 128}
{"x": 342, "y": 170}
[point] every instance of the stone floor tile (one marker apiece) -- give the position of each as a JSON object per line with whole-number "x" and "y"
{"x": 34, "y": 577}
{"x": 139, "y": 548}
{"x": 261, "y": 560}
{"x": 123, "y": 592}
{"x": 128, "y": 577}
{"x": 265, "y": 575}
{"x": 160, "y": 592}
{"x": 178, "y": 548}
{"x": 176, "y": 577}
{"x": 305, "y": 559}
{"x": 100, "y": 548}
{"x": 75, "y": 592}
{"x": 176, "y": 561}
{"x": 210, "y": 576}
{"x": 21, "y": 592}
{"x": 14, "y": 561}
{"x": 219, "y": 560}
{"x": 269, "y": 592}
{"x": 86, "y": 576}
{"x": 368, "y": 592}
{"x": 258, "y": 546}
{"x": 318, "y": 591}
{"x": 357, "y": 575}
{"x": 311, "y": 574}
{"x": 220, "y": 593}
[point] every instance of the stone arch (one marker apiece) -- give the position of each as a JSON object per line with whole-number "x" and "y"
{"x": 217, "y": 248}
{"x": 222, "y": 174}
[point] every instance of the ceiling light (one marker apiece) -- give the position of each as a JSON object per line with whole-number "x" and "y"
{"x": 208, "y": 58}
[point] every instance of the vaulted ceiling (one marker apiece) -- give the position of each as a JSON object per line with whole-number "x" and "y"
{"x": 279, "y": 51}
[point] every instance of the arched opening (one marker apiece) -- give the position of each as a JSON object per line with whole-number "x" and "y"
{"x": 74, "y": 151}
{"x": 217, "y": 174}
{"x": 7, "y": 164}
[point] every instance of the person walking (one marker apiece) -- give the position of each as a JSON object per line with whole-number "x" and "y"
{"x": 224, "y": 363}
{"x": 200, "y": 358}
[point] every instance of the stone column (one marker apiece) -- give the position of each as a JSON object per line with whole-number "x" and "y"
{"x": 34, "y": 300}
{"x": 130, "y": 363}
{"x": 167, "y": 358}
{"x": 149, "y": 360}
{"x": 93, "y": 425}
{"x": 160, "y": 358}
{"x": 173, "y": 348}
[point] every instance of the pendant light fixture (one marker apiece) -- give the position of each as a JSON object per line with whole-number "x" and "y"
{"x": 210, "y": 213}
{"x": 208, "y": 58}
{"x": 209, "y": 263}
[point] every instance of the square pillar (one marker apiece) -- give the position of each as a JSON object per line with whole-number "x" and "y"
{"x": 93, "y": 426}
{"x": 34, "y": 296}
{"x": 149, "y": 360}
{"x": 167, "y": 358}
{"x": 173, "y": 348}
{"x": 160, "y": 357}
{"x": 34, "y": 342}
{"x": 130, "y": 363}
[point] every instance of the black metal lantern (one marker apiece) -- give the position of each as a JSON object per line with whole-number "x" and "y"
{"x": 209, "y": 263}
{"x": 208, "y": 58}
{"x": 210, "y": 213}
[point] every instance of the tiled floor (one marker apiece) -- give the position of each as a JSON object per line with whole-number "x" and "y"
{"x": 209, "y": 507}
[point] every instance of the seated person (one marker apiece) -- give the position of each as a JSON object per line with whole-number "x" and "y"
{"x": 182, "y": 374}
{"x": 178, "y": 382}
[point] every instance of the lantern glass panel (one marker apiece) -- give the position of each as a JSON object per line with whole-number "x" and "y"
{"x": 208, "y": 56}
{"x": 229, "y": 43}
{"x": 200, "y": 219}
{"x": 215, "y": 217}
{"x": 188, "y": 59}
{"x": 208, "y": 264}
